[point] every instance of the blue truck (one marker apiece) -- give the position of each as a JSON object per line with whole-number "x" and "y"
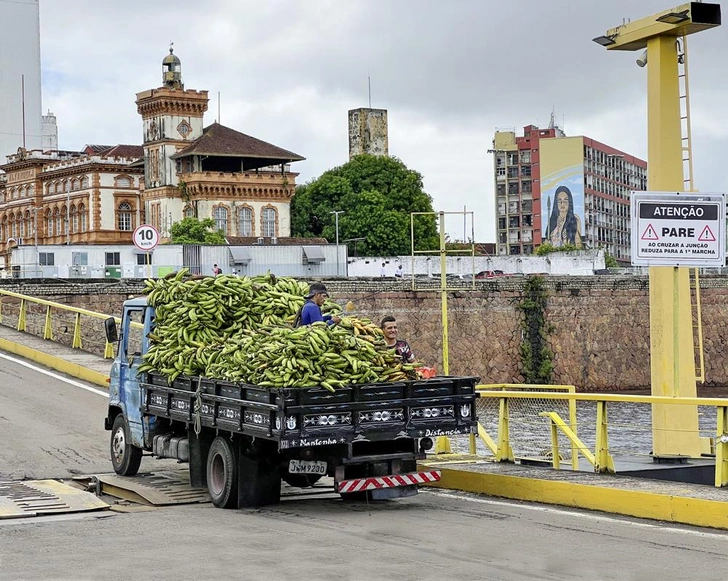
{"x": 242, "y": 440}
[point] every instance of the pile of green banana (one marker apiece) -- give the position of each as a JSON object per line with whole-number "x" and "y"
{"x": 240, "y": 329}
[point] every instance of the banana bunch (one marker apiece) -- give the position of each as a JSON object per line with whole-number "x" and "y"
{"x": 238, "y": 329}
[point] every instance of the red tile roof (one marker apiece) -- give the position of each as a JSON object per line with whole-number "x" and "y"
{"x": 218, "y": 140}
{"x": 132, "y": 151}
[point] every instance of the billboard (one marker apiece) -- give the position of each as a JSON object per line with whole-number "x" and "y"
{"x": 562, "y": 190}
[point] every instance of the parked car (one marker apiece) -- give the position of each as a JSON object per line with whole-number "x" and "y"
{"x": 490, "y": 274}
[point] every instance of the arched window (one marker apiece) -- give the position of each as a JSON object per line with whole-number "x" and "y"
{"x": 14, "y": 225}
{"x": 57, "y": 221}
{"x": 82, "y": 216}
{"x": 49, "y": 223}
{"x": 245, "y": 221}
{"x": 84, "y": 182}
{"x": 64, "y": 218}
{"x": 21, "y": 224}
{"x": 66, "y": 186}
{"x": 268, "y": 219}
{"x": 220, "y": 215}
{"x": 75, "y": 184}
{"x": 189, "y": 212}
{"x": 124, "y": 220}
{"x": 74, "y": 219}
{"x": 122, "y": 182}
{"x": 29, "y": 227}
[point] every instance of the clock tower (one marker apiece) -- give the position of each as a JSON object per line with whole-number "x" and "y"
{"x": 172, "y": 118}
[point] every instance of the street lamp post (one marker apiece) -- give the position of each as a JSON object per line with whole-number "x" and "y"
{"x": 336, "y": 214}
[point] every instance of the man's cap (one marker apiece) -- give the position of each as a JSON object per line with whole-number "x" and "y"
{"x": 316, "y": 288}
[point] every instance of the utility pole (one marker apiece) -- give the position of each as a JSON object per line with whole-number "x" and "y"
{"x": 336, "y": 214}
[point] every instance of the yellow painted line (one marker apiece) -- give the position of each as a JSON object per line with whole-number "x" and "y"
{"x": 72, "y": 369}
{"x": 663, "y": 507}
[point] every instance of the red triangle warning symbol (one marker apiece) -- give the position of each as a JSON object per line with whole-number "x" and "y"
{"x": 706, "y": 235}
{"x": 649, "y": 233}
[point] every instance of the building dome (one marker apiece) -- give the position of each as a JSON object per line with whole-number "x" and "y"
{"x": 172, "y": 71}
{"x": 171, "y": 59}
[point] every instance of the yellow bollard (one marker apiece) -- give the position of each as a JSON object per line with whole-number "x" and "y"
{"x": 442, "y": 445}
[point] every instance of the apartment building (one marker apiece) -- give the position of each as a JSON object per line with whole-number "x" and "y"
{"x": 562, "y": 190}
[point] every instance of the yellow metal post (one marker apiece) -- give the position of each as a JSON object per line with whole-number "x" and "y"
{"x": 442, "y": 443}
{"x": 674, "y": 428}
{"x": 721, "y": 447}
{"x": 48, "y": 327}
{"x": 505, "y": 452}
{"x": 602, "y": 457}
{"x": 555, "y": 455}
{"x": 77, "y": 332}
{"x": 22, "y": 314}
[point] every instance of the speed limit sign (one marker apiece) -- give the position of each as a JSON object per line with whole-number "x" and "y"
{"x": 146, "y": 237}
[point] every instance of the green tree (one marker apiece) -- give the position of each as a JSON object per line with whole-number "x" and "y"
{"x": 194, "y": 231}
{"x": 377, "y": 195}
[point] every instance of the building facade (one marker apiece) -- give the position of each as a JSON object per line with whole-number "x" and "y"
{"x": 20, "y": 86}
{"x": 70, "y": 197}
{"x": 244, "y": 184}
{"x": 562, "y": 190}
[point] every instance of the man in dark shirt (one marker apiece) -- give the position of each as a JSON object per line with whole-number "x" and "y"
{"x": 311, "y": 310}
{"x": 400, "y": 346}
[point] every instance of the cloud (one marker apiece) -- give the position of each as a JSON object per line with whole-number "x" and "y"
{"x": 448, "y": 72}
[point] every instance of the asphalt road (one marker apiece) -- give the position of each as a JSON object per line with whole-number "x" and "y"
{"x": 51, "y": 429}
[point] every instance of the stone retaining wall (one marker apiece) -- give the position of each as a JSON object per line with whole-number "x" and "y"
{"x": 600, "y": 337}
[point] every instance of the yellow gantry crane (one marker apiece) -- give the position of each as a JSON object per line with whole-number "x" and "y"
{"x": 674, "y": 431}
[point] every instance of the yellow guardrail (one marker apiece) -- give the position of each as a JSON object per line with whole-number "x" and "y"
{"x": 77, "y": 341}
{"x": 505, "y": 451}
{"x": 601, "y": 459}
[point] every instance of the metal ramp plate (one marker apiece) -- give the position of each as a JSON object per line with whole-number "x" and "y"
{"x": 156, "y": 488}
{"x": 43, "y": 497}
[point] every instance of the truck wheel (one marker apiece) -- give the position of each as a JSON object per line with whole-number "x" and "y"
{"x": 301, "y": 480}
{"x": 222, "y": 474}
{"x": 125, "y": 457}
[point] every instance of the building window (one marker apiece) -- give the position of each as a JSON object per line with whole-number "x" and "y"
{"x": 268, "y": 218}
{"x": 57, "y": 221}
{"x": 74, "y": 219}
{"x": 49, "y": 223}
{"x": 144, "y": 259}
{"x": 79, "y": 258}
{"x": 113, "y": 259}
{"x": 82, "y": 216}
{"x": 124, "y": 216}
{"x": 189, "y": 212}
{"x": 220, "y": 215}
{"x": 122, "y": 182}
{"x": 245, "y": 222}
{"x": 84, "y": 182}
{"x": 46, "y": 258}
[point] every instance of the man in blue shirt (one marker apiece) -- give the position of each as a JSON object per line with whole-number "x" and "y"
{"x": 311, "y": 310}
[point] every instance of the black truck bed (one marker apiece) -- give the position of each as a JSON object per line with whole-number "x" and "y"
{"x": 440, "y": 406}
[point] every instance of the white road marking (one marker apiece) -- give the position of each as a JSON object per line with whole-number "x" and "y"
{"x": 55, "y": 375}
{"x": 574, "y": 513}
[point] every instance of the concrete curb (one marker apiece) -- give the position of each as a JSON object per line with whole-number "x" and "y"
{"x": 72, "y": 369}
{"x": 637, "y": 503}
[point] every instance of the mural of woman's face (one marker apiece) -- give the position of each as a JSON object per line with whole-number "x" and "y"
{"x": 562, "y": 201}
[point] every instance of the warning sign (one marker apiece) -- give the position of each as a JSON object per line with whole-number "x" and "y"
{"x": 678, "y": 229}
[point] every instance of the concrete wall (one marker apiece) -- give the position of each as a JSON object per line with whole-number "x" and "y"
{"x": 600, "y": 324}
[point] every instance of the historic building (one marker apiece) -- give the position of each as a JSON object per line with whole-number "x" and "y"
{"x": 70, "y": 197}
{"x": 243, "y": 183}
{"x": 562, "y": 190}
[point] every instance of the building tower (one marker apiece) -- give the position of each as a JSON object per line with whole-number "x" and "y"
{"x": 172, "y": 118}
{"x": 20, "y": 89}
{"x": 368, "y": 132}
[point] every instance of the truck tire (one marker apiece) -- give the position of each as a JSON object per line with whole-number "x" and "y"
{"x": 222, "y": 474}
{"x": 301, "y": 480}
{"x": 125, "y": 457}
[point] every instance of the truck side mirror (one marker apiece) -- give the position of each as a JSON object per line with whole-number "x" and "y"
{"x": 112, "y": 336}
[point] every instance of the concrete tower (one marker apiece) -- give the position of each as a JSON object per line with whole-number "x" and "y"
{"x": 368, "y": 132}
{"x": 20, "y": 118}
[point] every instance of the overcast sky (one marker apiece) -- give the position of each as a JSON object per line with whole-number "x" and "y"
{"x": 449, "y": 71}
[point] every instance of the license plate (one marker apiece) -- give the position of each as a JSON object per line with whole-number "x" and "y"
{"x": 307, "y": 467}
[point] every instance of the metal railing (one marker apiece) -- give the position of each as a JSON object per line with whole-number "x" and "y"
{"x": 599, "y": 447}
{"x": 52, "y": 320}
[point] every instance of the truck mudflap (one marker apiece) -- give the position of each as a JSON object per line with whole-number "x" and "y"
{"x": 379, "y": 482}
